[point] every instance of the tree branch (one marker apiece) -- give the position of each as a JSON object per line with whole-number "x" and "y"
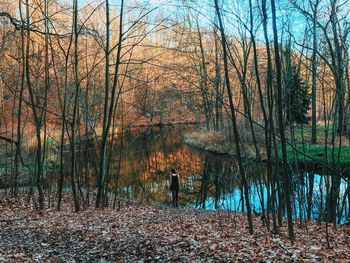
{"x": 7, "y": 139}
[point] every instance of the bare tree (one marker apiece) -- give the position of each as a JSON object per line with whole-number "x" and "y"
{"x": 233, "y": 118}
{"x": 287, "y": 179}
{"x": 109, "y": 106}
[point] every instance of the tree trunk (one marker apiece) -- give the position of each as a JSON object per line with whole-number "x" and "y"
{"x": 314, "y": 74}
{"x": 75, "y": 109}
{"x": 233, "y": 119}
{"x": 108, "y": 107}
{"x": 287, "y": 179}
{"x": 37, "y": 121}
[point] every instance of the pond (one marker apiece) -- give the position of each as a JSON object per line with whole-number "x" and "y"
{"x": 207, "y": 181}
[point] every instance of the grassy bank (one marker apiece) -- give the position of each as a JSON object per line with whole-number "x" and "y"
{"x": 318, "y": 154}
{"x": 219, "y": 143}
{"x": 303, "y": 153}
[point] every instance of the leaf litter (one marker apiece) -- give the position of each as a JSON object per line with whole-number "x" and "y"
{"x": 140, "y": 233}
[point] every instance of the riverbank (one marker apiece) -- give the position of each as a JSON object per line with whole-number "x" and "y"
{"x": 218, "y": 143}
{"x": 306, "y": 155}
{"x": 137, "y": 233}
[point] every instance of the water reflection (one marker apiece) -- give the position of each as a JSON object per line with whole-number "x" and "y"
{"x": 147, "y": 159}
{"x": 207, "y": 181}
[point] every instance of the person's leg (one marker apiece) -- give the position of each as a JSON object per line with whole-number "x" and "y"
{"x": 173, "y": 192}
{"x": 177, "y": 198}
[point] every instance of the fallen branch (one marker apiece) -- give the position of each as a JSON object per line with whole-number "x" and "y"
{"x": 9, "y": 140}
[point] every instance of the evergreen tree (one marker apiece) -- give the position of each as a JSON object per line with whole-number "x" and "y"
{"x": 298, "y": 98}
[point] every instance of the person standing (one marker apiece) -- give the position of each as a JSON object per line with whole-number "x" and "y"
{"x": 175, "y": 187}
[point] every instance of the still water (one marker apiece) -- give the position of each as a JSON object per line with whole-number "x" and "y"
{"x": 207, "y": 181}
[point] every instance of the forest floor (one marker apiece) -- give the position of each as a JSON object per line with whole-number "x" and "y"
{"x": 138, "y": 233}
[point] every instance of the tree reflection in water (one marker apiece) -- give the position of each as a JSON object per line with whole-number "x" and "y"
{"x": 208, "y": 181}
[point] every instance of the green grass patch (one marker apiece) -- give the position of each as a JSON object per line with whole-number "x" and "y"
{"x": 52, "y": 142}
{"x": 318, "y": 154}
{"x": 304, "y": 132}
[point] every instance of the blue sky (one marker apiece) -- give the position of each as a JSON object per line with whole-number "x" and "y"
{"x": 205, "y": 12}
